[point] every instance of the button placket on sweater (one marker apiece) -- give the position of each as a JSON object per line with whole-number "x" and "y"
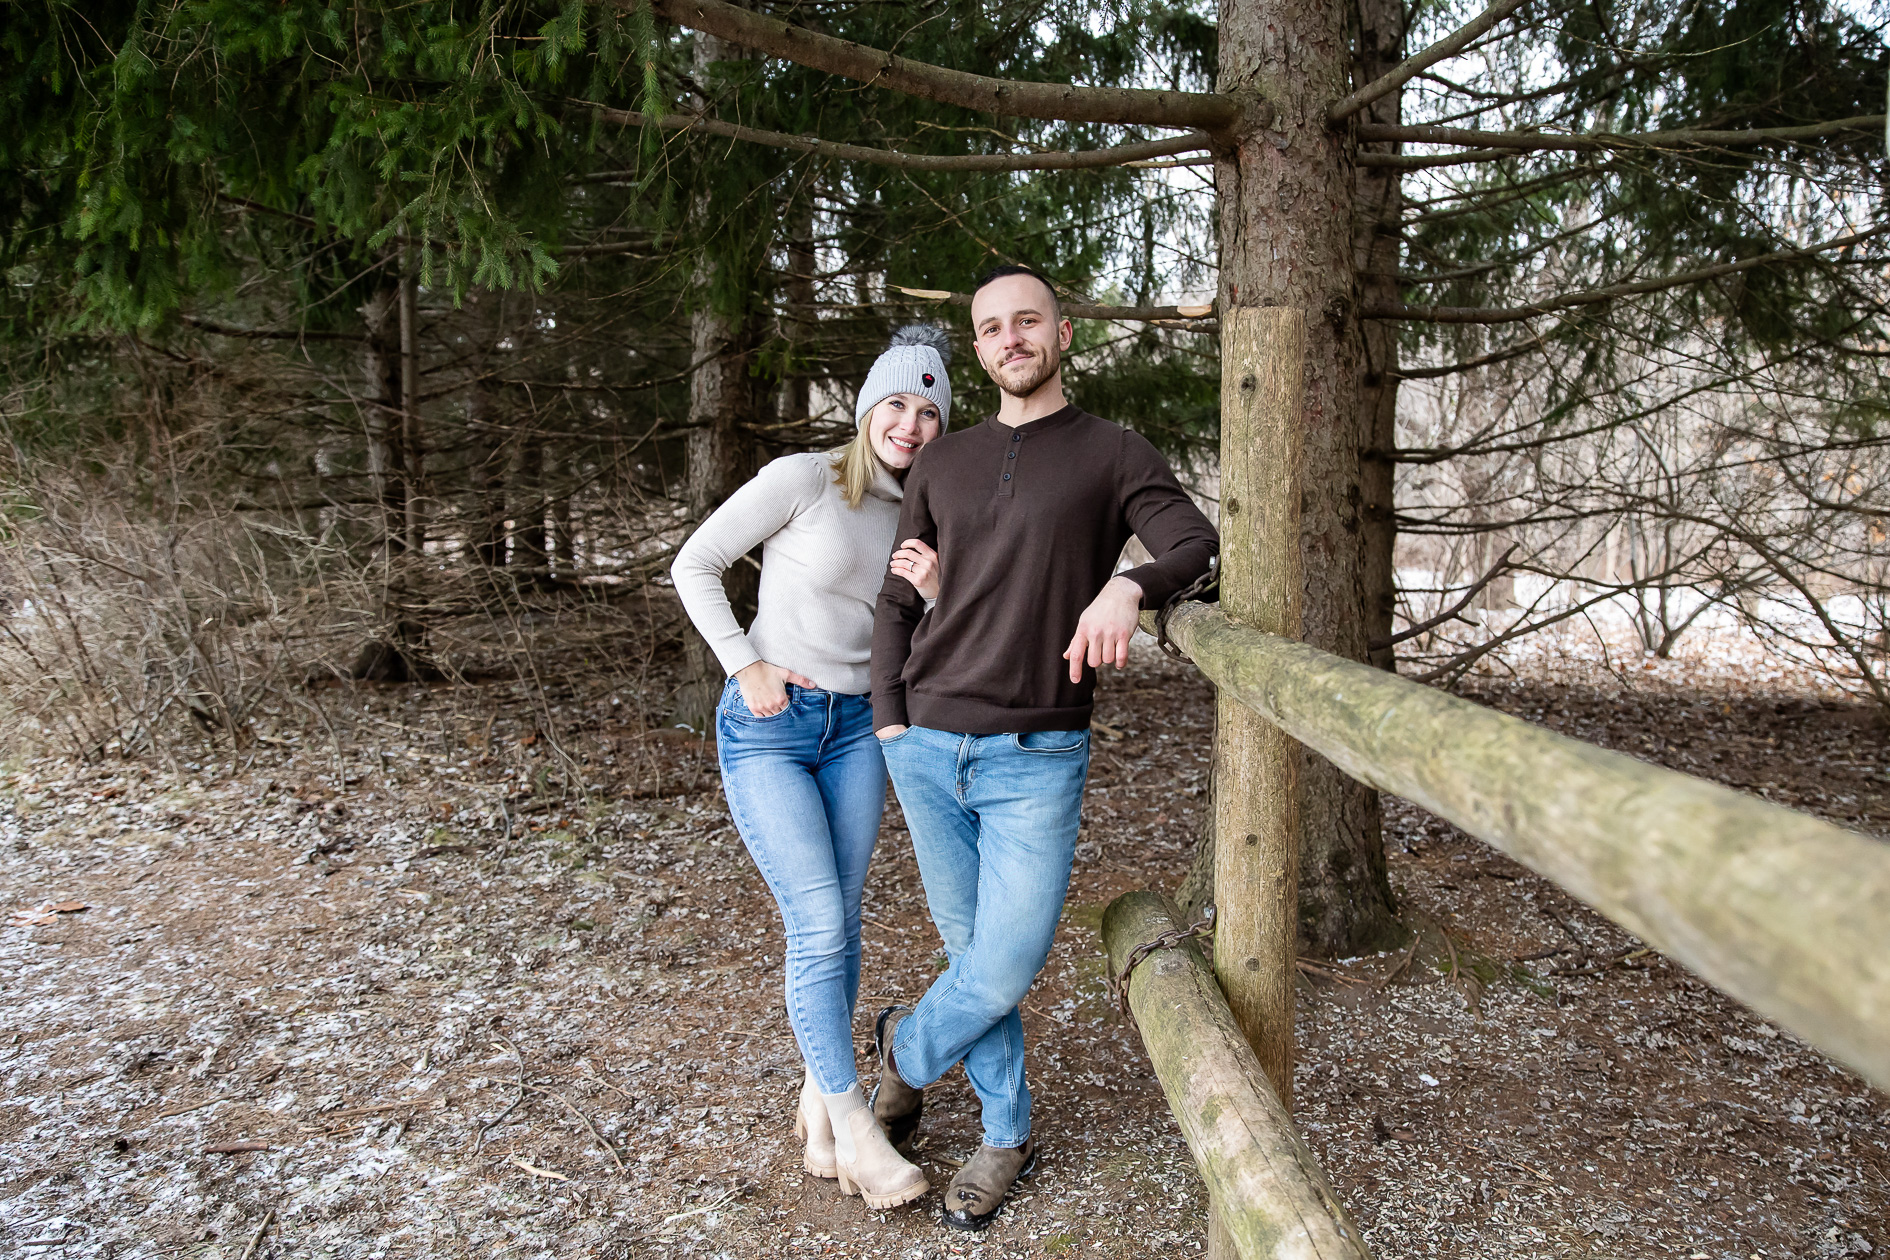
{"x": 1008, "y": 467}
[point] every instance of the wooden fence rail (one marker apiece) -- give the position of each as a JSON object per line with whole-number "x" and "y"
{"x": 1270, "y": 1196}
{"x": 1787, "y": 913}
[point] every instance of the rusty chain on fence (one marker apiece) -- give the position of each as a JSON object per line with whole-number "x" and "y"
{"x": 1203, "y": 927}
{"x": 1205, "y": 588}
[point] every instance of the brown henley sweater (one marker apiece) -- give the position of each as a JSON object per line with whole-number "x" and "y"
{"x": 1028, "y": 524}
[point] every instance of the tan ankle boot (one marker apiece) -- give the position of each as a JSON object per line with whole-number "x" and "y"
{"x": 815, "y": 1131}
{"x": 878, "y": 1173}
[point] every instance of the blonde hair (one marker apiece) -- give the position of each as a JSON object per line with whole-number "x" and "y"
{"x": 855, "y": 465}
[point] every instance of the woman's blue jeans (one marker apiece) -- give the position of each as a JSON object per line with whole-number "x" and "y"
{"x": 806, "y": 788}
{"x": 993, "y": 821}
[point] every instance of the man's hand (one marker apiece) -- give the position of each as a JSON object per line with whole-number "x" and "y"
{"x": 1103, "y": 631}
{"x": 887, "y": 732}
{"x": 764, "y": 687}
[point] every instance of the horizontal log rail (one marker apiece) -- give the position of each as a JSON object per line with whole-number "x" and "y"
{"x": 1269, "y": 1193}
{"x": 1787, "y": 913}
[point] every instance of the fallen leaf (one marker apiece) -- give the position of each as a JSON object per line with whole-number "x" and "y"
{"x": 539, "y": 1172}
{"x": 235, "y": 1148}
{"x": 68, "y": 907}
{"x": 33, "y": 918}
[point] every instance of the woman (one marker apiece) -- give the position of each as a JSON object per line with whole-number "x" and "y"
{"x": 794, "y": 732}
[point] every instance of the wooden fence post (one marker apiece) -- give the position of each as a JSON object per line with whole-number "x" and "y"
{"x": 1256, "y": 824}
{"x": 1256, "y": 765}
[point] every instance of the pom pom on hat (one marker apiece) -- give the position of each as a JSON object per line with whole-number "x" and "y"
{"x": 913, "y": 363}
{"x": 924, "y": 335}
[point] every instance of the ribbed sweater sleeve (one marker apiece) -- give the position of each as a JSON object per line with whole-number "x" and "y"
{"x": 896, "y": 614}
{"x": 752, "y": 514}
{"x": 1177, "y": 535}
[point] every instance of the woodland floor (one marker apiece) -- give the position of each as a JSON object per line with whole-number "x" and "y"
{"x": 412, "y": 989}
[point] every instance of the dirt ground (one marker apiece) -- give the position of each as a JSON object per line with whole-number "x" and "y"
{"x": 436, "y": 984}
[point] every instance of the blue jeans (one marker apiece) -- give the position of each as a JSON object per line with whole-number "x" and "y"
{"x": 806, "y": 788}
{"x": 993, "y": 821}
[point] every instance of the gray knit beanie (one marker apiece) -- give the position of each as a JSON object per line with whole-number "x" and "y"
{"x": 914, "y": 363}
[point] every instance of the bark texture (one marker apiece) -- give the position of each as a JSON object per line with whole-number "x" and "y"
{"x": 1781, "y": 910}
{"x": 381, "y": 362}
{"x": 1288, "y": 239}
{"x": 1378, "y": 50}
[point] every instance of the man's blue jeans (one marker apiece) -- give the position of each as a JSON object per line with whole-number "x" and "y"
{"x": 806, "y": 789}
{"x": 993, "y": 821}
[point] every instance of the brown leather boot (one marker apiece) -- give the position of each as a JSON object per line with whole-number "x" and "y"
{"x": 896, "y": 1105}
{"x": 815, "y": 1130}
{"x": 976, "y": 1194}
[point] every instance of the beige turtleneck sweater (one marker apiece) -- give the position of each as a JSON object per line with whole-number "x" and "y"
{"x": 822, "y": 566}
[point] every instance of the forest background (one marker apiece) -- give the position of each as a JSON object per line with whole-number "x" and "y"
{"x": 399, "y": 343}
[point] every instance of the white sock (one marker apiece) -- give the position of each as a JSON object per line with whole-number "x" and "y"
{"x": 839, "y": 1107}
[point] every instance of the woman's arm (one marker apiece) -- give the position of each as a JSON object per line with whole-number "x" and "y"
{"x": 753, "y": 514}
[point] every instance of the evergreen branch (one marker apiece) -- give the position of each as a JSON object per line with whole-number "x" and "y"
{"x": 1119, "y": 155}
{"x": 843, "y": 57}
{"x": 1398, "y": 75}
{"x": 1593, "y": 297}
{"x": 1530, "y": 141}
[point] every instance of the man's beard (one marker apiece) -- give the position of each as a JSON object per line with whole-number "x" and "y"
{"x": 1042, "y": 370}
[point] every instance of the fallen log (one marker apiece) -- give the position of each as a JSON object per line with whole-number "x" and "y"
{"x": 1268, "y": 1191}
{"x": 1778, "y": 909}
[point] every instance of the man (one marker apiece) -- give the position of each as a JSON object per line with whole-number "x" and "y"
{"x": 982, "y": 704}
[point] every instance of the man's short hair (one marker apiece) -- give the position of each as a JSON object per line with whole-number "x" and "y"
{"x": 1017, "y": 269}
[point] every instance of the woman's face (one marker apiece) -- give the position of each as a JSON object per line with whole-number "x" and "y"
{"x": 899, "y": 425}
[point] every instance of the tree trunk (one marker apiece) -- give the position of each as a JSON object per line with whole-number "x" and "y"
{"x": 1287, "y": 239}
{"x": 381, "y": 364}
{"x": 563, "y": 532}
{"x": 718, "y": 454}
{"x": 800, "y": 303}
{"x": 1379, "y": 250}
{"x": 397, "y": 652}
{"x": 528, "y": 506}
{"x": 489, "y": 452}
{"x": 413, "y": 526}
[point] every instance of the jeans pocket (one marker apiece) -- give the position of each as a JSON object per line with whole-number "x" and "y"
{"x": 887, "y": 741}
{"x": 1050, "y": 743}
{"x": 735, "y": 705}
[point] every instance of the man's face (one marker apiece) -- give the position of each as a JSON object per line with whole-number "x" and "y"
{"x": 1018, "y": 339}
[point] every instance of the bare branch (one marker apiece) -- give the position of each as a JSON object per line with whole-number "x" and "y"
{"x": 1426, "y": 161}
{"x": 1534, "y": 142}
{"x": 1119, "y": 155}
{"x": 265, "y": 334}
{"x": 1412, "y": 632}
{"x": 1593, "y": 297}
{"x": 1188, "y": 316}
{"x": 1064, "y": 102}
{"x": 1449, "y": 46}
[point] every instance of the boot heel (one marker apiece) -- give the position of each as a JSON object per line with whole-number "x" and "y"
{"x": 846, "y": 1184}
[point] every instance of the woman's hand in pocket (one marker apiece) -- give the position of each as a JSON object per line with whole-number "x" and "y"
{"x": 764, "y": 687}
{"x": 917, "y": 564}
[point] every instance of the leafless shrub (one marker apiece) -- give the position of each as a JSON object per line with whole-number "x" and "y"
{"x": 123, "y": 628}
